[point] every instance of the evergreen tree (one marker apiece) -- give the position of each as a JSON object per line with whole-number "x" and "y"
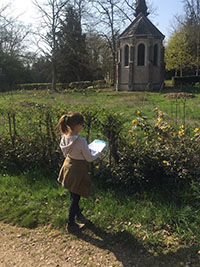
{"x": 72, "y": 53}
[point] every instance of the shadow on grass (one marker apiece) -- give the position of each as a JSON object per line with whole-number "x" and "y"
{"x": 131, "y": 253}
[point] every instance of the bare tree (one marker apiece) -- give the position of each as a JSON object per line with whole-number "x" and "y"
{"x": 51, "y": 14}
{"x": 4, "y": 17}
{"x": 107, "y": 20}
{"x": 14, "y": 38}
{"x": 13, "y": 34}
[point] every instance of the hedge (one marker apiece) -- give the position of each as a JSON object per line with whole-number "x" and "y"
{"x": 185, "y": 80}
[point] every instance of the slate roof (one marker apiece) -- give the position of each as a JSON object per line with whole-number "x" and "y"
{"x": 141, "y": 26}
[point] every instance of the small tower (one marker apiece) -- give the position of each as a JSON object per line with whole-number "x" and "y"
{"x": 141, "y": 7}
{"x": 140, "y": 63}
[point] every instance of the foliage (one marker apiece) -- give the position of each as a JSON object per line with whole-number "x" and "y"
{"x": 30, "y": 140}
{"x": 80, "y": 85}
{"x": 39, "y": 86}
{"x": 12, "y": 71}
{"x": 157, "y": 155}
{"x": 178, "y": 55}
{"x": 41, "y": 70}
{"x": 191, "y": 26}
{"x": 112, "y": 125}
{"x": 72, "y": 57}
{"x": 91, "y": 119}
{"x": 185, "y": 80}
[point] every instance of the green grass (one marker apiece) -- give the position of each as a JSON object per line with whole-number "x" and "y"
{"x": 124, "y": 102}
{"x": 162, "y": 221}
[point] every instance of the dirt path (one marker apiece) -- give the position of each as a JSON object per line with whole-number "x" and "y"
{"x": 43, "y": 247}
{"x": 46, "y": 247}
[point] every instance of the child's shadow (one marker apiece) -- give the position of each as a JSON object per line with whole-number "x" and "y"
{"x": 122, "y": 244}
{"x": 128, "y": 250}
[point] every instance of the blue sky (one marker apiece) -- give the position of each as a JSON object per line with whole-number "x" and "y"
{"x": 165, "y": 10}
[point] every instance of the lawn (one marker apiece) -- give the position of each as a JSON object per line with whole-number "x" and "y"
{"x": 124, "y": 102}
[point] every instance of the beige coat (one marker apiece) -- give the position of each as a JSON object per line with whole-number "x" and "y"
{"x": 74, "y": 176}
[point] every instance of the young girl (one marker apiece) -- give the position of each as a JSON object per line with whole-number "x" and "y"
{"x": 74, "y": 172}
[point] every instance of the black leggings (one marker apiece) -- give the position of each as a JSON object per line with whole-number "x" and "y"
{"x": 73, "y": 208}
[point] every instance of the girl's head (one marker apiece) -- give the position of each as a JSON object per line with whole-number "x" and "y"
{"x": 70, "y": 121}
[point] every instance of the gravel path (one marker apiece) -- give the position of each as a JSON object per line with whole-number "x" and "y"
{"x": 43, "y": 247}
{"x": 46, "y": 247}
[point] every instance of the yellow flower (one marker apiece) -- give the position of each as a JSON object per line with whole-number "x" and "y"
{"x": 97, "y": 167}
{"x": 131, "y": 143}
{"x": 156, "y": 109}
{"x": 159, "y": 139}
{"x": 135, "y": 164}
{"x": 162, "y": 127}
{"x": 166, "y": 162}
{"x": 156, "y": 158}
{"x": 159, "y": 120}
{"x": 138, "y": 112}
{"x": 181, "y": 132}
{"x": 134, "y": 121}
{"x": 196, "y": 130}
{"x": 182, "y": 126}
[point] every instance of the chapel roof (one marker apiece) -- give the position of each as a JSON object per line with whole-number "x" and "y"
{"x": 141, "y": 7}
{"x": 141, "y": 26}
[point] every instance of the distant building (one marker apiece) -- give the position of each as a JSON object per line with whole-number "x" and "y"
{"x": 140, "y": 63}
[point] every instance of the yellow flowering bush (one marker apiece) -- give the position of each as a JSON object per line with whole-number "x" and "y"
{"x": 165, "y": 154}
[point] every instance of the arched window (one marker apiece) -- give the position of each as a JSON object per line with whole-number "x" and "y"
{"x": 141, "y": 55}
{"x": 155, "y": 55}
{"x": 126, "y": 55}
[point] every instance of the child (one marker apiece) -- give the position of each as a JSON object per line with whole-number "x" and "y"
{"x": 74, "y": 172}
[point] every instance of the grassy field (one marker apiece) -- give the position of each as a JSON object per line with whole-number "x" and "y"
{"x": 165, "y": 221}
{"x": 125, "y": 102}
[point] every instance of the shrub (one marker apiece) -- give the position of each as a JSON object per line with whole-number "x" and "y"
{"x": 80, "y": 85}
{"x": 40, "y": 86}
{"x": 158, "y": 154}
{"x": 30, "y": 139}
{"x": 99, "y": 84}
{"x": 185, "y": 80}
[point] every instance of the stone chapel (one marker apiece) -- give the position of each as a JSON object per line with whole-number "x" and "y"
{"x": 140, "y": 56}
